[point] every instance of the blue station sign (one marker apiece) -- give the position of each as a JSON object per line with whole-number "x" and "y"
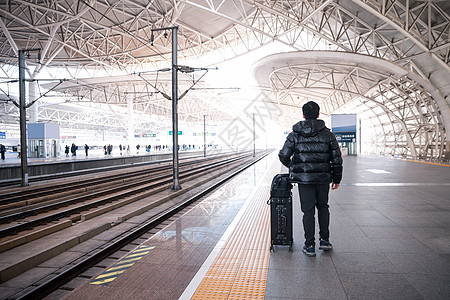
{"x": 179, "y": 132}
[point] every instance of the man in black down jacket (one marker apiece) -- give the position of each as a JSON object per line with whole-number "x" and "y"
{"x": 313, "y": 157}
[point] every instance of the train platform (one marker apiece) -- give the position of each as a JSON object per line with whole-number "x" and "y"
{"x": 12, "y": 158}
{"x": 390, "y": 229}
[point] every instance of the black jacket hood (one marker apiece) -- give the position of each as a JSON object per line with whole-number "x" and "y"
{"x": 309, "y": 127}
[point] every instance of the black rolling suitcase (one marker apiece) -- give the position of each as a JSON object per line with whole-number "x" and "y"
{"x": 281, "y": 211}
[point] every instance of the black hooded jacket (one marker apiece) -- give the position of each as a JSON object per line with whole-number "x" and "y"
{"x": 312, "y": 154}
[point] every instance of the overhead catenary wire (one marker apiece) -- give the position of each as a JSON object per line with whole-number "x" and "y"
{"x": 154, "y": 86}
{"x": 181, "y": 68}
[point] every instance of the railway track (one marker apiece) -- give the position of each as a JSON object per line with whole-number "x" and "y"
{"x": 30, "y": 218}
{"x": 162, "y": 180}
{"x": 9, "y": 197}
{"x": 38, "y": 179}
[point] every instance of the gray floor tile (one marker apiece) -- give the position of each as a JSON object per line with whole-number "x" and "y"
{"x": 362, "y": 263}
{"x": 420, "y": 263}
{"x": 430, "y": 286}
{"x": 446, "y": 257}
{"x": 415, "y": 222}
{"x": 278, "y": 298}
{"x": 387, "y": 207}
{"x": 386, "y": 232}
{"x": 337, "y": 221}
{"x": 422, "y": 207}
{"x": 394, "y": 214}
{"x": 370, "y": 218}
{"x": 439, "y": 245}
{"x": 400, "y": 245}
{"x": 298, "y": 284}
{"x": 297, "y": 260}
{"x": 443, "y": 221}
{"x": 289, "y": 298}
{"x": 351, "y": 239}
{"x": 378, "y": 286}
{"x": 356, "y": 206}
{"x": 429, "y": 232}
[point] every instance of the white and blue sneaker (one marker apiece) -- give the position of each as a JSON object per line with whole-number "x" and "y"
{"x": 309, "y": 250}
{"x": 325, "y": 245}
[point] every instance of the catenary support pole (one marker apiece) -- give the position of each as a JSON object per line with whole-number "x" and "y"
{"x": 23, "y": 120}
{"x": 176, "y": 184}
{"x": 204, "y": 135}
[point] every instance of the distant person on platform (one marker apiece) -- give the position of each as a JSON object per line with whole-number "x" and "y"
{"x": 2, "y": 151}
{"x": 19, "y": 153}
{"x": 313, "y": 157}
{"x": 86, "y": 148}
{"x": 73, "y": 149}
{"x": 67, "y": 150}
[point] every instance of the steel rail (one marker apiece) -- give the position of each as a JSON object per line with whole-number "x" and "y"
{"x": 19, "y": 215}
{"x": 21, "y": 195}
{"x": 11, "y": 182}
{"x": 18, "y": 196}
{"x": 52, "y": 284}
{"x": 143, "y": 185}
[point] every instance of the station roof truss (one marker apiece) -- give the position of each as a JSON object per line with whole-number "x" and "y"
{"x": 114, "y": 38}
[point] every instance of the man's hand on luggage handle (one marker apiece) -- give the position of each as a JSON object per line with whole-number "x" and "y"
{"x": 334, "y": 186}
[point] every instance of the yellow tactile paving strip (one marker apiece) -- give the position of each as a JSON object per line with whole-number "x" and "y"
{"x": 240, "y": 269}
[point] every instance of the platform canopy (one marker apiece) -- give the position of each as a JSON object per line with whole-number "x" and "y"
{"x": 88, "y": 39}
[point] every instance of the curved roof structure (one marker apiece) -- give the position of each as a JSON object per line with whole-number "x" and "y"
{"x": 334, "y": 79}
{"x": 91, "y": 38}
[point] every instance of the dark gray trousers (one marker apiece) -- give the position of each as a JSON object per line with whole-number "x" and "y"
{"x": 312, "y": 196}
